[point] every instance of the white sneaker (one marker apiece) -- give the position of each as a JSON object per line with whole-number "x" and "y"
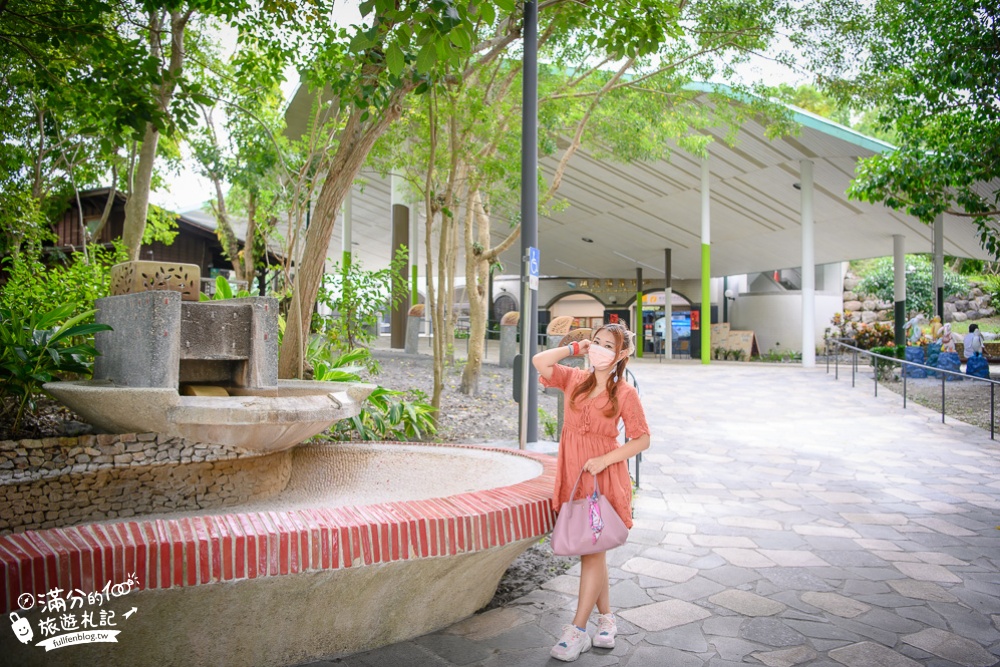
{"x": 572, "y": 643}
{"x": 606, "y": 631}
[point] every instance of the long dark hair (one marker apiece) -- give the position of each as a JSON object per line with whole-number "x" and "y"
{"x": 623, "y": 341}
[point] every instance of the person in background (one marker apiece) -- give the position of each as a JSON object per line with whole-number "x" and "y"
{"x": 973, "y": 343}
{"x": 976, "y": 363}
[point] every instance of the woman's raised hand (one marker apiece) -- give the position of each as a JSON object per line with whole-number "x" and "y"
{"x": 584, "y": 346}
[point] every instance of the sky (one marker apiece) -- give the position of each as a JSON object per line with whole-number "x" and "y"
{"x": 187, "y": 190}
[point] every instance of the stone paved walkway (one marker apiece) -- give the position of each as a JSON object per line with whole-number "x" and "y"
{"x": 783, "y": 519}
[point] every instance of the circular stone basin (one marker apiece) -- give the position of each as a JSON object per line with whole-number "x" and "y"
{"x": 369, "y": 544}
{"x": 333, "y": 475}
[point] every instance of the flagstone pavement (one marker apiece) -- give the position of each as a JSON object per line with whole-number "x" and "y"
{"x": 783, "y": 518}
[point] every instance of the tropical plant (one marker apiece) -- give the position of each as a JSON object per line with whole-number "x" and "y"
{"x": 389, "y": 415}
{"x": 880, "y": 281}
{"x": 386, "y": 414}
{"x": 223, "y": 290}
{"x": 331, "y": 367}
{"x": 38, "y": 348}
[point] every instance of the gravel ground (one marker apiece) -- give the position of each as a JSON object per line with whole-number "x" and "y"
{"x": 490, "y": 416}
{"x": 966, "y": 400}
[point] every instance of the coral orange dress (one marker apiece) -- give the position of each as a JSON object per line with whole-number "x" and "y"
{"x": 587, "y": 433}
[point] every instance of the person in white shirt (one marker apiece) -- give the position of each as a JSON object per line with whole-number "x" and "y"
{"x": 973, "y": 343}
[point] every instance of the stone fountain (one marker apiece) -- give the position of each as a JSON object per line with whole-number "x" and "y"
{"x": 228, "y": 541}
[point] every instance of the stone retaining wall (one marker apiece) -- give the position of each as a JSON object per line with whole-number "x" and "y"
{"x": 55, "y": 482}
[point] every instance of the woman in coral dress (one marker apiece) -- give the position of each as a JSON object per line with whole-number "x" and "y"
{"x": 595, "y": 401}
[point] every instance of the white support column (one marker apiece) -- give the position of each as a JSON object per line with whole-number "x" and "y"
{"x": 899, "y": 285}
{"x": 938, "y": 247}
{"x": 808, "y": 267}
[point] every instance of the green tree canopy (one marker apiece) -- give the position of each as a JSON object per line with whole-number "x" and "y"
{"x": 932, "y": 69}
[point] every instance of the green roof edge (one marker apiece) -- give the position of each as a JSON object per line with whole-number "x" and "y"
{"x": 804, "y": 118}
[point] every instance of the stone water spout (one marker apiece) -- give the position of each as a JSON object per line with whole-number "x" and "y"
{"x": 204, "y": 371}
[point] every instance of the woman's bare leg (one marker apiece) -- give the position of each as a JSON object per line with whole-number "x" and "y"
{"x": 593, "y": 588}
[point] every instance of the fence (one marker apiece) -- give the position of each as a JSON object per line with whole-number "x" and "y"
{"x": 879, "y": 361}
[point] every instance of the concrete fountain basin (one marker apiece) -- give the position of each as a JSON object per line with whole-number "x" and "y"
{"x": 368, "y": 544}
{"x": 263, "y": 420}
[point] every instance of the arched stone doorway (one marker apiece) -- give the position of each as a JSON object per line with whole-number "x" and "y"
{"x": 586, "y": 310}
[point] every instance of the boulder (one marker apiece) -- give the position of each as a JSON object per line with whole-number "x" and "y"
{"x": 961, "y": 305}
{"x": 949, "y": 307}
{"x": 869, "y": 316}
{"x": 978, "y": 366}
{"x": 850, "y": 296}
{"x": 850, "y": 283}
{"x": 915, "y": 354}
{"x": 960, "y": 317}
{"x": 852, "y": 305}
{"x": 868, "y": 305}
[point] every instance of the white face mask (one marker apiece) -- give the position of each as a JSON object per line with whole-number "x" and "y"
{"x": 600, "y": 357}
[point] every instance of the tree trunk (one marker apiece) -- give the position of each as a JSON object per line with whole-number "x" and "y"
{"x": 248, "y": 244}
{"x": 355, "y": 142}
{"x": 138, "y": 202}
{"x": 476, "y": 284}
{"x": 229, "y": 240}
{"x": 108, "y": 204}
{"x": 479, "y": 299}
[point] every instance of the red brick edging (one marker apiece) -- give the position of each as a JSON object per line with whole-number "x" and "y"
{"x": 202, "y": 550}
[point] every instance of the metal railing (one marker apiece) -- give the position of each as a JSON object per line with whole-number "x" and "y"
{"x": 877, "y": 361}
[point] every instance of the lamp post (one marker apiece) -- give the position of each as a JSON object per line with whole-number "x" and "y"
{"x": 528, "y": 421}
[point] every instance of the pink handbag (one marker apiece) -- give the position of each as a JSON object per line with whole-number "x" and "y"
{"x": 587, "y": 526}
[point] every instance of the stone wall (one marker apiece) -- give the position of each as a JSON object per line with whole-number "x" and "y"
{"x": 957, "y": 308}
{"x": 54, "y": 482}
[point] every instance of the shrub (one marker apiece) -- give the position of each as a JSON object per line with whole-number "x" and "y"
{"x": 36, "y": 287}
{"x": 864, "y": 336}
{"x": 919, "y": 282}
{"x": 883, "y": 367}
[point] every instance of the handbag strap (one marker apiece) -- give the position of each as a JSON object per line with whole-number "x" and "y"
{"x": 597, "y": 487}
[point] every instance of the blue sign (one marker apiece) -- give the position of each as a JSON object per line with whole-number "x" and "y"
{"x": 534, "y": 259}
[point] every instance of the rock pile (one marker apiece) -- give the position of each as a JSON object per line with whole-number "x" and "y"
{"x": 860, "y": 307}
